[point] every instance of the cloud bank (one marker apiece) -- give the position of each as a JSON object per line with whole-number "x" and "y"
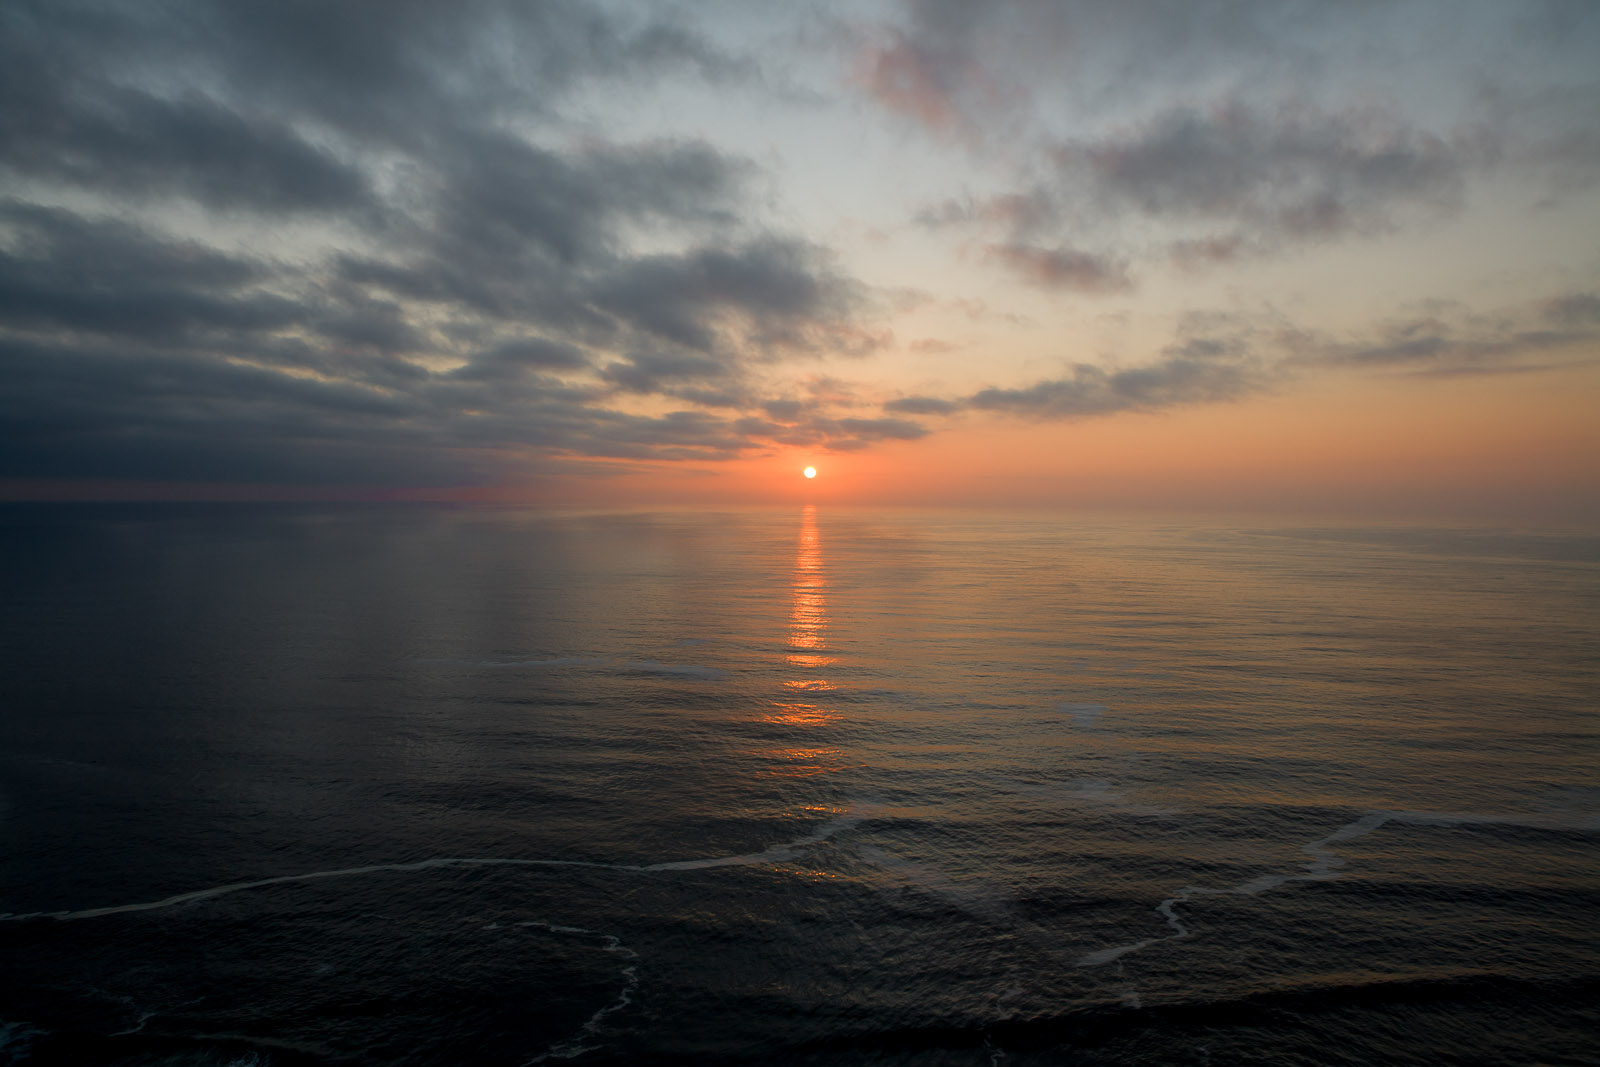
{"x": 461, "y": 285}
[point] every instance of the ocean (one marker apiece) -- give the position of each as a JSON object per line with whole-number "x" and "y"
{"x": 421, "y": 785}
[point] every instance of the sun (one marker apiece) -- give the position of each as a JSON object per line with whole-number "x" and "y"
{"x": 810, "y": 472}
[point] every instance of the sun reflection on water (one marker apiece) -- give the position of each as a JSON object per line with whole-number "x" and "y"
{"x": 808, "y": 618}
{"x": 807, "y": 655}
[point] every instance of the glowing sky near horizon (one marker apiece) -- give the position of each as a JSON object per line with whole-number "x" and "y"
{"x": 1212, "y": 253}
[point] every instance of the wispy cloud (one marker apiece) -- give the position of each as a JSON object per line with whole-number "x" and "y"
{"x": 1062, "y": 268}
{"x": 1221, "y": 357}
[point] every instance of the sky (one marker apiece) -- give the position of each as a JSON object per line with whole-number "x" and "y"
{"x": 1170, "y": 254}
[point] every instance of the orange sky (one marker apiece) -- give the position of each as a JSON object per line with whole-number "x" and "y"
{"x": 1503, "y": 447}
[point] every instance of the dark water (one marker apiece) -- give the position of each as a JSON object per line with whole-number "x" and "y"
{"x": 409, "y": 786}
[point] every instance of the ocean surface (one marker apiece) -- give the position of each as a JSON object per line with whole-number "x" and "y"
{"x": 411, "y": 785}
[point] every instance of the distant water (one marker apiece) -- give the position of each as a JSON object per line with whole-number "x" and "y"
{"x": 416, "y": 786}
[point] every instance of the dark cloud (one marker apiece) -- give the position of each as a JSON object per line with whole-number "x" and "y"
{"x": 1574, "y": 309}
{"x": 921, "y": 405}
{"x": 64, "y": 272}
{"x": 63, "y": 118}
{"x": 1022, "y": 212}
{"x": 393, "y": 72}
{"x": 879, "y": 429}
{"x": 518, "y": 356}
{"x": 650, "y": 372}
{"x": 1234, "y": 181}
{"x": 1287, "y": 174}
{"x": 1300, "y": 123}
{"x": 789, "y": 410}
{"x": 1452, "y": 342}
{"x": 1214, "y": 357}
{"x": 472, "y": 287}
{"x": 778, "y": 294}
{"x": 1090, "y": 390}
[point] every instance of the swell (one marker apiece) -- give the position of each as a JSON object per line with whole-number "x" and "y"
{"x": 1104, "y": 1023}
{"x": 773, "y": 854}
{"x": 1323, "y": 863}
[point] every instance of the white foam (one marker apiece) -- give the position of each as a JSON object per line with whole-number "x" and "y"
{"x": 15, "y": 1039}
{"x": 18, "y": 1035}
{"x": 774, "y": 854}
{"x": 574, "y": 1046}
{"x": 283, "y": 879}
{"x": 1325, "y": 865}
{"x": 144, "y": 1017}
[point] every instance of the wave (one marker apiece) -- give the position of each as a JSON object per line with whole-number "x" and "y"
{"x": 1324, "y": 864}
{"x": 649, "y": 666}
{"x": 577, "y": 1045}
{"x": 1090, "y": 1025}
{"x": 676, "y": 670}
{"x": 773, "y": 854}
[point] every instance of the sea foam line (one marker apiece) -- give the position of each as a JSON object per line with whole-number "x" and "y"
{"x": 574, "y": 1046}
{"x": 1324, "y": 865}
{"x": 773, "y": 854}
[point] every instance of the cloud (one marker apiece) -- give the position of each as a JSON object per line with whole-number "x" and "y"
{"x": 910, "y": 79}
{"x": 1062, "y": 268}
{"x": 1091, "y": 390}
{"x": 1279, "y": 175}
{"x": 517, "y": 356}
{"x": 1019, "y": 212}
{"x": 1208, "y": 133}
{"x": 1222, "y": 184}
{"x": 1225, "y": 356}
{"x": 1453, "y": 342}
{"x": 921, "y": 405}
{"x": 930, "y": 73}
{"x": 650, "y": 372}
{"x": 471, "y": 289}
{"x": 1213, "y": 357}
{"x": 1574, "y": 309}
{"x": 778, "y": 294}
{"x": 60, "y": 271}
